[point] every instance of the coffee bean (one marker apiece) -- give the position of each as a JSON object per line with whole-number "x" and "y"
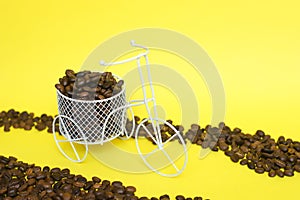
{"x": 56, "y": 176}
{"x": 292, "y": 159}
{"x": 120, "y": 83}
{"x": 31, "y": 181}
{"x": 27, "y": 127}
{"x": 119, "y": 190}
{"x": 280, "y": 163}
{"x": 81, "y": 73}
{"x": 109, "y": 195}
{"x": 267, "y": 167}
{"x": 244, "y": 162}
{"x": 259, "y": 170}
{"x": 280, "y": 140}
{"x": 228, "y": 153}
{"x": 69, "y": 181}
{"x": 143, "y": 198}
{"x": 296, "y": 146}
{"x": 279, "y": 173}
{"x": 266, "y": 150}
{"x": 80, "y": 82}
{"x": 259, "y": 164}
{"x": 179, "y": 197}
{"x": 88, "y": 185}
{"x": 278, "y": 153}
{"x": 251, "y": 165}
{"x": 130, "y": 189}
{"x": 78, "y": 184}
{"x": 289, "y": 172}
{"x": 234, "y": 157}
{"x": 164, "y": 197}
{"x": 297, "y": 168}
{"x": 64, "y": 81}
{"x": 40, "y": 126}
{"x": 7, "y": 127}
{"x": 60, "y": 87}
{"x": 223, "y": 146}
{"x": 238, "y": 140}
{"x": 40, "y": 175}
{"x": 240, "y": 154}
{"x": 12, "y": 192}
{"x": 80, "y": 179}
{"x": 244, "y": 148}
{"x": 97, "y": 186}
{"x": 260, "y": 133}
{"x": 267, "y": 155}
{"x": 289, "y": 141}
{"x": 4, "y": 160}
{"x": 107, "y": 94}
{"x": 100, "y": 96}
{"x": 88, "y": 89}
{"x": 237, "y": 130}
{"x": 23, "y": 187}
{"x": 66, "y": 196}
{"x": 105, "y": 183}
{"x": 70, "y": 73}
{"x": 272, "y": 173}
{"x": 283, "y": 147}
{"x": 198, "y": 198}
{"x": 96, "y": 179}
{"x": 65, "y": 172}
{"x": 83, "y": 94}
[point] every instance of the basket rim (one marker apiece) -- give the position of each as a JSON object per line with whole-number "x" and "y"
{"x": 95, "y": 101}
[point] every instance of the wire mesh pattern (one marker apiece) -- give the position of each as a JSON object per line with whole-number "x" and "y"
{"x": 98, "y": 120}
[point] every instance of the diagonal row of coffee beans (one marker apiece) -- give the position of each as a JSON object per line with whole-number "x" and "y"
{"x": 19, "y": 181}
{"x": 259, "y": 152}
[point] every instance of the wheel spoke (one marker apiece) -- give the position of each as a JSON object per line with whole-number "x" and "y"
{"x": 74, "y": 149}
{"x": 171, "y": 138}
{"x": 152, "y": 152}
{"x": 167, "y": 155}
{"x": 151, "y": 136}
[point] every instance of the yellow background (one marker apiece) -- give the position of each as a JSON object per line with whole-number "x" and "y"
{"x": 254, "y": 44}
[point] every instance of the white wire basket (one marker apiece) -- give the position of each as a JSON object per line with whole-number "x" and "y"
{"x": 98, "y": 119}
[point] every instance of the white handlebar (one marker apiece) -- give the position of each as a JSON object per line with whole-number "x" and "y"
{"x": 103, "y": 63}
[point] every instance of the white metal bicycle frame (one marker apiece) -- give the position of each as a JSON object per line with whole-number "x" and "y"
{"x": 146, "y": 100}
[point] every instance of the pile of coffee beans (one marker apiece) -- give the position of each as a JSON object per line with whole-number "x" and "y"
{"x": 26, "y": 121}
{"x": 19, "y": 180}
{"x": 87, "y": 85}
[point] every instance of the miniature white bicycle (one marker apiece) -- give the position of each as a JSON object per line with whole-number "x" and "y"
{"x": 98, "y": 121}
